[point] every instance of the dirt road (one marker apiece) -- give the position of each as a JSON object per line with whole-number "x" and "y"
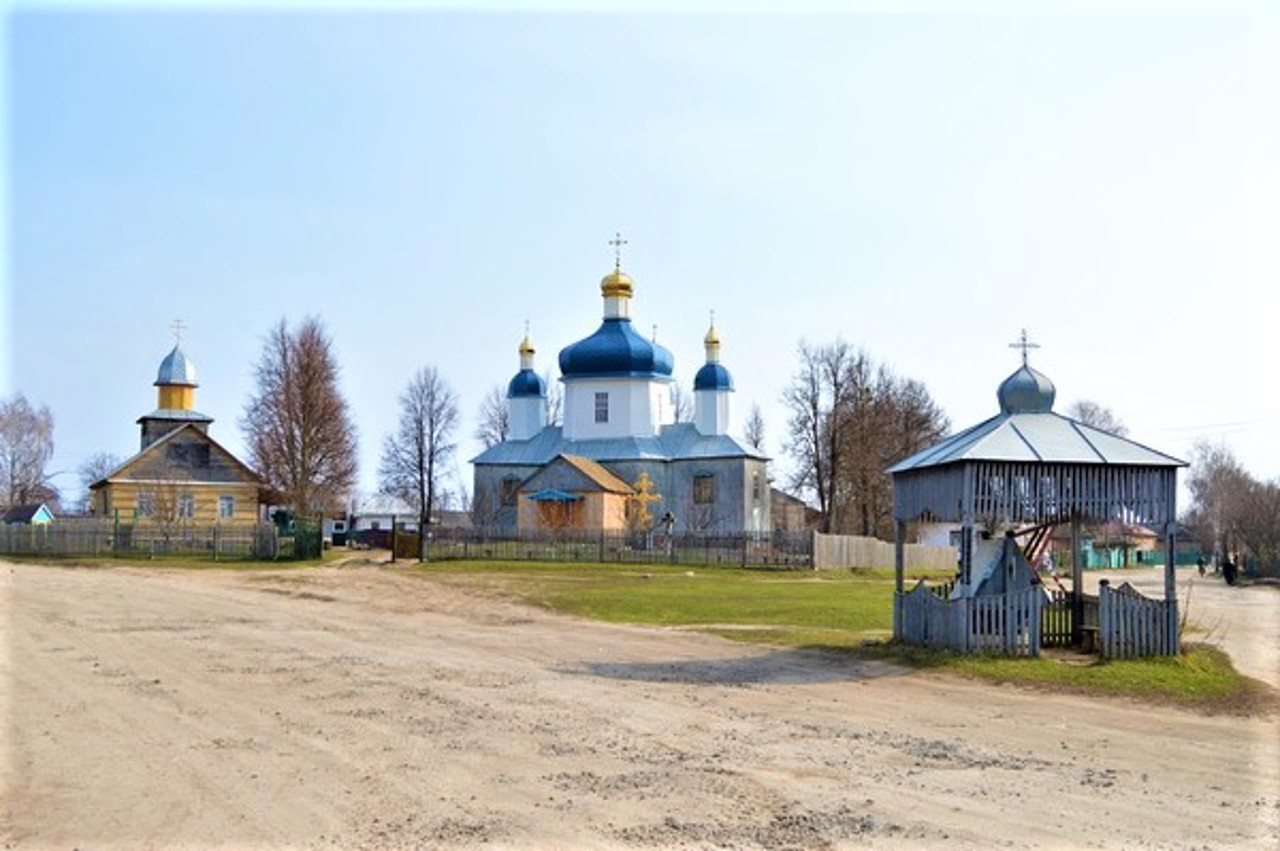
{"x": 362, "y": 708}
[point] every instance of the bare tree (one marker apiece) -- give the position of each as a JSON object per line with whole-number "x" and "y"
{"x": 1092, "y": 414}
{"x": 681, "y": 404}
{"x": 850, "y": 420}
{"x": 555, "y": 399}
{"x": 26, "y": 445}
{"x": 94, "y": 469}
{"x": 753, "y": 430}
{"x": 299, "y": 432}
{"x": 1258, "y": 522}
{"x": 414, "y": 457}
{"x": 495, "y": 418}
{"x": 1218, "y": 486}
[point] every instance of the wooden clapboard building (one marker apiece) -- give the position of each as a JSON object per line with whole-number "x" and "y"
{"x": 180, "y": 474}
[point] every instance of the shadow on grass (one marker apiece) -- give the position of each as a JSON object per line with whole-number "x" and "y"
{"x": 783, "y": 667}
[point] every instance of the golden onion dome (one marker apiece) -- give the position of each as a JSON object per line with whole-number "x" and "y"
{"x": 616, "y": 284}
{"x": 712, "y": 338}
{"x": 526, "y": 346}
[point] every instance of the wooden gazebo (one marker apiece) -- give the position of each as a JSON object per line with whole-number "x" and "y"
{"x": 1021, "y": 473}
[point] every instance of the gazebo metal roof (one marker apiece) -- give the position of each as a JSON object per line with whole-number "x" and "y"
{"x": 1030, "y": 465}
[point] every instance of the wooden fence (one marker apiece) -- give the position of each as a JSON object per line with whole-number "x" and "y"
{"x": 1131, "y": 625}
{"x": 1057, "y": 619}
{"x": 1004, "y": 623}
{"x": 94, "y": 536}
{"x": 779, "y": 550}
{"x": 859, "y": 551}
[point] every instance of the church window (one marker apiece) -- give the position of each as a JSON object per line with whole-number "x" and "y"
{"x": 510, "y": 490}
{"x": 146, "y": 505}
{"x": 226, "y": 507}
{"x": 704, "y": 489}
{"x": 755, "y": 486}
{"x": 186, "y": 506}
{"x": 602, "y": 407}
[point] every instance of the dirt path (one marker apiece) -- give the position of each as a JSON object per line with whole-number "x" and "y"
{"x": 367, "y": 709}
{"x": 1244, "y": 621}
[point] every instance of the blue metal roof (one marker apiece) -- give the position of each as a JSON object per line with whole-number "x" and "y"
{"x": 615, "y": 349}
{"x": 176, "y": 369}
{"x": 674, "y": 443}
{"x": 526, "y": 383}
{"x": 1036, "y": 437}
{"x": 1026, "y": 392}
{"x": 713, "y": 376}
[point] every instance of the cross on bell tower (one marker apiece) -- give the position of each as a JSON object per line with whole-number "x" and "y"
{"x": 1025, "y": 344}
{"x": 177, "y": 326}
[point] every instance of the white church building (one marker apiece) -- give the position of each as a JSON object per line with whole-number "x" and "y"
{"x": 619, "y": 423}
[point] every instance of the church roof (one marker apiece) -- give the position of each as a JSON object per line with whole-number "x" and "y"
{"x": 678, "y": 442}
{"x": 597, "y": 474}
{"x": 176, "y": 368}
{"x": 615, "y": 349}
{"x": 713, "y": 376}
{"x": 176, "y": 414}
{"x": 526, "y": 383}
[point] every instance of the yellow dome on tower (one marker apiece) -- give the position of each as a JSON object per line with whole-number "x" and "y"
{"x": 616, "y": 284}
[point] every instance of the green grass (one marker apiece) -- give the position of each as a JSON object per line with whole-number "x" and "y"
{"x": 845, "y": 611}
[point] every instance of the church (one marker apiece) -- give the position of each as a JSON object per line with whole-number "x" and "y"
{"x": 181, "y": 475}
{"x": 620, "y": 460}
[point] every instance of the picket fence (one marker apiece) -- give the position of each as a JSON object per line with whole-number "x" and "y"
{"x": 1003, "y": 623}
{"x": 1131, "y": 625}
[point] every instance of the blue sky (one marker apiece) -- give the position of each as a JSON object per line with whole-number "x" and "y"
{"x": 425, "y": 181}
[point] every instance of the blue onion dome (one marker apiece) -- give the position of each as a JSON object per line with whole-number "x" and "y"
{"x": 615, "y": 349}
{"x": 176, "y": 369}
{"x": 526, "y": 383}
{"x": 1026, "y": 392}
{"x": 713, "y": 376}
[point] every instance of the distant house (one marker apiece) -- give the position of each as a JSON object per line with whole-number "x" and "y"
{"x": 790, "y": 513}
{"x": 181, "y": 474}
{"x": 34, "y": 514}
{"x": 379, "y": 512}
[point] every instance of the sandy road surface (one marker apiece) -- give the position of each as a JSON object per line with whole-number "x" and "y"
{"x": 361, "y": 708}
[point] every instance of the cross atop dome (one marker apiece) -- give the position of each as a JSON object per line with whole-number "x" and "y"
{"x": 1025, "y": 344}
{"x": 617, "y": 242}
{"x": 177, "y": 326}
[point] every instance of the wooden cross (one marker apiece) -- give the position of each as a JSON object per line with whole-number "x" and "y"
{"x": 1024, "y": 344}
{"x": 617, "y": 242}
{"x": 177, "y": 325}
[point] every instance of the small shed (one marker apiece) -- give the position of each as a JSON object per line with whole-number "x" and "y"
{"x": 572, "y": 492}
{"x": 32, "y": 514}
{"x": 1019, "y": 474}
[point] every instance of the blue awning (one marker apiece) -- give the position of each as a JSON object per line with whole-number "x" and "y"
{"x": 552, "y": 495}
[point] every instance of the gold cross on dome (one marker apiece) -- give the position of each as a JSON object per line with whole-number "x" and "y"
{"x": 617, "y": 242}
{"x": 177, "y": 327}
{"x": 1025, "y": 344}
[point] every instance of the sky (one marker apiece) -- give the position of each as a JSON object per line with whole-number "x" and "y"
{"x": 427, "y": 180}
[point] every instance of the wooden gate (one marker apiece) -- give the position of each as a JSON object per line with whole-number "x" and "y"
{"x": 1131, "y": 625}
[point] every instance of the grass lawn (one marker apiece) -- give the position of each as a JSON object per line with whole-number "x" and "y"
{"x": 843, "y": 611}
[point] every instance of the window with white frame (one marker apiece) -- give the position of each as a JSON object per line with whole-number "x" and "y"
{"x": 226, "y": 507}
{"x": 186, "y": 506}
{"x": 146, "y": 504}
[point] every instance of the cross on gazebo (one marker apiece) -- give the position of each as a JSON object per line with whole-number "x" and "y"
{"x": 177, "y": 326}
{"x": 617, "y": 242}
{"x": 1025, "y": 344}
